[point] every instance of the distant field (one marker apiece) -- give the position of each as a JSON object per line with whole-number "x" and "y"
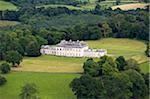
{"x": 50, "y": 86}
{"x": 58, "y": 5}
{"x": 91, "y": 5}
{"x": 116, "y": 47}
{"x": 7, "y": 6}
{"x": 130, "y": 6}
{"x": 145, "y": 67}
{"x": 8, "y": 23}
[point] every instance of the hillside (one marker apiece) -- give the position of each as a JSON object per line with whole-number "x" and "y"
{"x": 7, "y": 6}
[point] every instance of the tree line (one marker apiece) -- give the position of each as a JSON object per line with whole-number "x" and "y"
{"x": 111, "y": 79}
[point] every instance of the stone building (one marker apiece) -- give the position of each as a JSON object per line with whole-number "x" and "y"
{"x": 72, "y": 49}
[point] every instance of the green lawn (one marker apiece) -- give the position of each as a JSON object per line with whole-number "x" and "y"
{"x": 125, "y": 47}
{"x": 116, "y": 47}
{"x": 8, "y": 23}
{"x": 145, "y": 67}
{"x": 51, "y": 86}
{"x": 7, "y": 6}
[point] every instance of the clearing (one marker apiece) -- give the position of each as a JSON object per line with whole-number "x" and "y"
{"x": 130, "y": 6}
{"x": 8, "y": 23}
{"x": 7, "y": 6}
{"x": 116, "y": 47}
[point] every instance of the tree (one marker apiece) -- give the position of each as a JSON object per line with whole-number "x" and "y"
{"x": 87, "y": 87}
{"x": 106, "y": 30}
{"x": 121, "y": 63}
{"x": 5, "y": 68}
{"x": 139, "y": 88}
{"x": 117, "y": 2}
{"x": 132, "y": 64}
{"x": 117, "y": 83}
{"x": 29, "y": 91}
{"x": 33, "y": 49}
{"x": 2, "y": 80}
{"x": 14, "y": 57}
{"x": 147, "y": 51}
{"x": 107, "y": 66}
{"x": 90, "y": 67}
{"x": 146, "y": 78}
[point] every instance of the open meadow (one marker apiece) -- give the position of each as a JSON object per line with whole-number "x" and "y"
{"x": 130, "y": 6}
{"x": 50, "y": 86}
{"x": 7, "y": 6}
{"x": 8, "y": 23}
{"x": 145, "y": 67}
{"x": 46, "y": 63}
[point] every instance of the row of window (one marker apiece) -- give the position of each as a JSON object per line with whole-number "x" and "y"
{"x": 69, "y": 54}
{"x": 68, "y": 49}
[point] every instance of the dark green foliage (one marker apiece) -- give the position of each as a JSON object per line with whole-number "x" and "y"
{"x": 121, "y": 63}
{"x": 5, "y": 68}
{"x": 90, "y": 67}
{"x": 146, "y": 78}
{"x": 139, "y": 88}
{"x": 132, "y": 64}
{"x": 29, "y": 91}
{"x": 107, "y": 66}
{"x": 86, "y": 87}
{"x": 2, "y": 80}
{"x": 108, "y": 83}
{"x": 147, "y": 50}
{"x": 118, "y": 2}
{"x": 117, "y": 86}
{"x": 14, "y": 57}
{"x": 38, "y": 2}
{"x": 33, "y": 49}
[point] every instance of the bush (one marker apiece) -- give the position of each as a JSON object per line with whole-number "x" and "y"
{"x": 2, "y": 80}
{"x": 5, "y": 68}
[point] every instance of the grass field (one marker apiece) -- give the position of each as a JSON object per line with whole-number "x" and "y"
{"x": 116, "y": 47}
{"x": 145, "y": 67}
{"x": 59, "y": 5}
{"x": 91, "y": 4}
{"x": 8, "y": 23}
{"x": 130, "y": 6}
{"x": 7, "y": 6}
{"x": 51, "y": 86}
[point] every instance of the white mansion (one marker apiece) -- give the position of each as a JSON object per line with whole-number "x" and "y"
{"x": 72, "y": 49}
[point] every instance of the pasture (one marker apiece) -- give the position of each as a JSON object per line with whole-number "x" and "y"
{"x": 145, "y": 67}
{"x": 116, "y": 47}
{"x": 133, "y": 6}
{"x": 8, "y": 23}
{"x": 51, "y": 86}
{"x": 7, "y": 6}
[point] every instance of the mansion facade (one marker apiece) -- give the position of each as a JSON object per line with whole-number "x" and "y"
{"x": 72, "y": 49}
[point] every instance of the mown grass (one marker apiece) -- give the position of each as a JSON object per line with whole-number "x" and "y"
{"x": 8, "y": 23}
{"x": 116, "y": 47}
{"x": 7, "y": 6}
{"x": 145, "y": 67}
{"x": 131, "y": 6}
{"x": 50, "y": 86}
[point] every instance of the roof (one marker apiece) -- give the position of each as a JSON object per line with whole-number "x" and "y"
{"x": 72, "y": 44}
